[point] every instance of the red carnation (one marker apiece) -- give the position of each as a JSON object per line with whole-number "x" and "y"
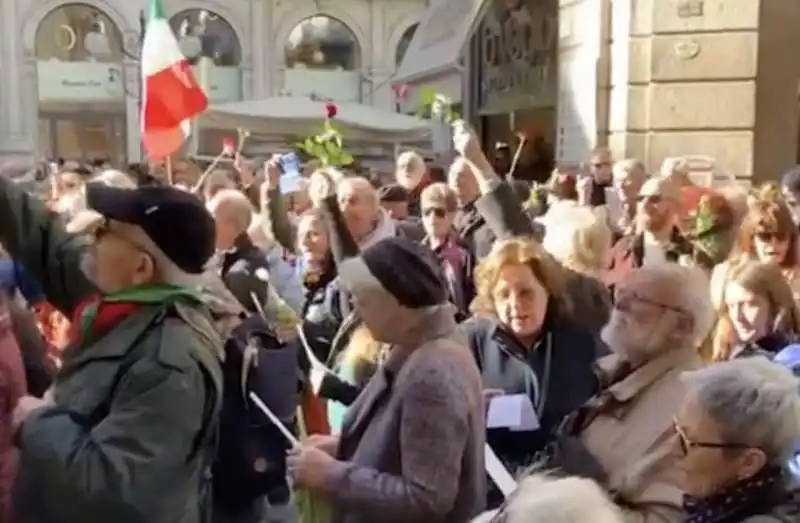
{"x": 401, "y": 91}
{"x": 228, "y": 146}
{"x": 331, "y": 110}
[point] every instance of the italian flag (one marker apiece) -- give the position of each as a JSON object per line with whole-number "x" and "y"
{"x": 171, "y": 96}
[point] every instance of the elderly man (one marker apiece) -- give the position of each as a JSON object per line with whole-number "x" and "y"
{"x": 126, "y": 433}
{"x": 622, "y": 437}
{"x": 412, "y": 175}
{"x": 246, "y": 269}
{"x": 600, "y": 167}
{"x": 365, "y": 218}
{"x": 470, "y": 225}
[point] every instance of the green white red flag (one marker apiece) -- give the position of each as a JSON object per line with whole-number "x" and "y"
{"x": 171, "y": 95}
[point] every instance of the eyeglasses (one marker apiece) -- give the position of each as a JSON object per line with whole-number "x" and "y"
{"x": 435, "y": 211}
{"x": 600, "y": 165}
{"x": 686, "y": 443}
{"x": 623, "y": 301}
{"x": 769, "y": 237}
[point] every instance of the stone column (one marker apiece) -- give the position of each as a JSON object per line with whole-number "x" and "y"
{"x": 684, "y": 75}
{"x": 133, "y": 130}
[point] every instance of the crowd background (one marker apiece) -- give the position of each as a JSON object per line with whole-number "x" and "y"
{"x": 650, "y": 322}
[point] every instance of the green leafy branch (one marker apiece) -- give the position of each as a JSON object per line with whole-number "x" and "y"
{"x": 437, "y": 105}
{"x": 327, "y": 146}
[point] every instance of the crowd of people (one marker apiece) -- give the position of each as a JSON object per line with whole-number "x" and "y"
{"x": 624, "y": 342}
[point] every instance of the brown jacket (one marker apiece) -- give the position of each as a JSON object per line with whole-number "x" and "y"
{"x": 411, "y": 446}
{"x": 635, "y": 442}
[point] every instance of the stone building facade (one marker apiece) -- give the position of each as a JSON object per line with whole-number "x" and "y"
{"x": 649, "y": 78}
{"x": 65, "y": 90}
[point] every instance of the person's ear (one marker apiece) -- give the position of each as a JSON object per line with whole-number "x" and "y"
{"x": 145, "y": 270}
{"x": 751, "y": 462}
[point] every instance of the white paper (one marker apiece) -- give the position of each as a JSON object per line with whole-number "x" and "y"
{"x": 274, "y": 419}
{"x": 498, "y": 472}
{"x": 512, "y": 411}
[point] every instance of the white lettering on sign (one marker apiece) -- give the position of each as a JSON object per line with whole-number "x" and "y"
{"x": 519, "y": 53}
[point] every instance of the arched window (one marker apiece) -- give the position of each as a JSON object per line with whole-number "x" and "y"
{"x": 219, "y": 40}
{"x": 323, "y": 43}
{"x": 405, "y": 41}
{"x": 78, "y": 33}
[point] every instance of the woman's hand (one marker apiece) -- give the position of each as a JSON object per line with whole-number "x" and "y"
{"x": 324, "y": 442}
{"x": 308, "y": 466}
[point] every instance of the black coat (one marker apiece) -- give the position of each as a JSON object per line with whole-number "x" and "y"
{"x": 562, "y": 362}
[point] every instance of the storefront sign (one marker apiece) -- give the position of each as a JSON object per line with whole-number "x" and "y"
{"x": 80, "y": 81}
{"x": 518, "y": 61}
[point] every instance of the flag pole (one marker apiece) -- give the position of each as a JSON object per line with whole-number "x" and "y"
{"x": 170, "y": 179}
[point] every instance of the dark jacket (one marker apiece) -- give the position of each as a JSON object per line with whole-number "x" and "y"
{"x": 458, "y": 266}
{"x": 561, "y": 362}
{"x": 102, "y": 451}
{"x": 240, "y": 269}
{"x": 473, "y": 231}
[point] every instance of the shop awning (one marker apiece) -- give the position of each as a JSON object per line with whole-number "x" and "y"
{"x": 440, "y": 39}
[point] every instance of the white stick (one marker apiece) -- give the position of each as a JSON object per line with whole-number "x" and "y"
{"x": 309, "y": 353}
{"x": 498, "y": 472}
{"x": 274, "y": 419}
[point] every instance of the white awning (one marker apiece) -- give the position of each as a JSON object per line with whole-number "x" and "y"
{"x": 440, "y": 39}
{"x": 301, "y": 116}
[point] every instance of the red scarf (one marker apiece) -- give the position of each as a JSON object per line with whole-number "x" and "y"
{"x": 107, "y": 316}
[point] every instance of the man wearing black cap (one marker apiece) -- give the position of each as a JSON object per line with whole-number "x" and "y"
{"x": 126, "y": 432}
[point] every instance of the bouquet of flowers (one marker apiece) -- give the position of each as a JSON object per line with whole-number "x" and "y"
{"x": 328, "y": 145}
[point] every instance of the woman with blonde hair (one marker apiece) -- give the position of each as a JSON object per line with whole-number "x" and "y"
{"x": 579, "y": 239}
{"x": 767, "y": 234}
{"x": 527, "y": 342}
{"x": 757, "y": 314}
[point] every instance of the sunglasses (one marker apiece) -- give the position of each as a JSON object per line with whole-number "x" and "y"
{"x": 687, "y": 443}
{"x": 435, "y": 211}
{"x": 769, "y": 237}
{"x": 600, "y": 165}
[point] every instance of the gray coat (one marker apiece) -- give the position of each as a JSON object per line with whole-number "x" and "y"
{"x": 412, "y": 444}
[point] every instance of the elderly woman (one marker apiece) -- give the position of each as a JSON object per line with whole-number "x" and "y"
{"x": 439, "y": 206}
{"x": 527, "y": 341}
{"x": 737, "y": 427}
{"x": 767, "y": 233}
{"x": 411, "y": 447}
{"x": 758, "y": 313}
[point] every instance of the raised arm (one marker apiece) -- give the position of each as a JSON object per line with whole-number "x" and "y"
{"x": 498, "y": 204}
{"x": 37, "y": 238}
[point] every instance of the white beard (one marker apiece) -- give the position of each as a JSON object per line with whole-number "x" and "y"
{"x": 632, "y": 343}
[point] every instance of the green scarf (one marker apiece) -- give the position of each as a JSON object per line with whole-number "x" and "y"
{"x": 123, "y": 303}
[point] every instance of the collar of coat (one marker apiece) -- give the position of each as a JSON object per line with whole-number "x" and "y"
{"x": 636, "y": 382}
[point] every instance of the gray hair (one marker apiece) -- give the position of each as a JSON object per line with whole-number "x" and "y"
{"x": 114, "y": 178}
{"x": 236, "y": 203}
{"x": 754, "y": 401}
{"x": 543, "y": 499}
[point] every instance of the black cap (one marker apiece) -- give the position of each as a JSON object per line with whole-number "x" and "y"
{"x": 176, "y": 221}
{"x": 393, "y": 193}
{"x": 408, "y": 271}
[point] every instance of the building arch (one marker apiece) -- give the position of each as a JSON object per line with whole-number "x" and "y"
{"x": 290, "y": 21}
{"x": 37, "y": 12}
